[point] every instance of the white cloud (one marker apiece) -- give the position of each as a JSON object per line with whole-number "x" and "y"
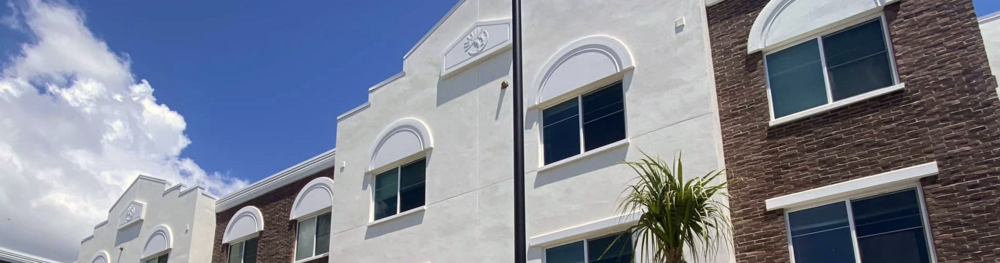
{"x": 76, "y": 128}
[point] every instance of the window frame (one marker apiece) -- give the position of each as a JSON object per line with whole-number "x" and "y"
{"x": 586, "y": 244}
{"x": 298, "y": 224}
{"x": 243, "y": 248}
{"x": 156, "y": 258}
{"x": 924, "y": 217}
{"x": 399, "y": 187}
{"x": 830, "y": 102}
{"x": 579, "y": 103}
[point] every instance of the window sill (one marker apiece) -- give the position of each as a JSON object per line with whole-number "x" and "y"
{"x": 836, "y": 105}
{"x": 583, "y": 155}
{"x": 327, "y": 254}
{"x": 397, "y": 216}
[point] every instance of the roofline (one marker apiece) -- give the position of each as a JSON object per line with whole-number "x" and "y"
{"x": 308, "y": 167}
{"x": 446, "y": 16}
{"x": 7, "y": 254}
{"x": 990, "y": 17}
{"x": 386, "y": 81}
{"x": 141, "y": 177}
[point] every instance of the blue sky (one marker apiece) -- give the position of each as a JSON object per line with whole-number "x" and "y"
{"x": 259, "y": 83}
{"x": 986, "y": 7}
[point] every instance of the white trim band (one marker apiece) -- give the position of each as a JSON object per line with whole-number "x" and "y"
{"x": 852, "y": 187}
{"x": 836, "y": 105}
{"x": 613, "y": 224}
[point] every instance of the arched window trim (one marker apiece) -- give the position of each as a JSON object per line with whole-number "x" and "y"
{"x": 246, "y": 213}
{"x": 168, "y": 244}
{"x": 412, "y": 126}
{"x": 302, "y": 208}
{"x": 758, "y": 40}
{"x": 543, "y": 91}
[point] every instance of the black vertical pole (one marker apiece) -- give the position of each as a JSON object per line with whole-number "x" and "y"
{"x": 520, "y": 248}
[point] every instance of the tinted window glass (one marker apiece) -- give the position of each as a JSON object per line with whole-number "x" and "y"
{"x": 611, "y": 249}
{"x": 323, "y": 234}
{"x": 796, "y": 80}
{"x": 603, "y": 117}
{"x": 250, "y": 251}
{"x": 386, "y": 187}
{"x": 411, "y": 188}
{"x": 236, "y": 252}
{"x": 569, "y": 253}
{"x": 890, "y": 228}
{"x": 857, "y": 60}
{"x": 305, "y": 237}
{"x": 821, "y": 234}
{"x": 561, "y": 131}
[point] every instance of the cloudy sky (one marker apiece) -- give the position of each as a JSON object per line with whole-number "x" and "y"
{"x": 212, "y": 93}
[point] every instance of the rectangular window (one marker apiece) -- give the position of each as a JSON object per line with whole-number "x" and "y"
{"x": 160, "y": 259}
{"x": 313, "y": 237}
{"x": 829, "y": 68}
{"x": 400, "y": 189}
{"x": 888, "y": 228}
{"x": 243, "y": 252}
{"x": 610, "y": 249}
{"x": 583, "y": 123}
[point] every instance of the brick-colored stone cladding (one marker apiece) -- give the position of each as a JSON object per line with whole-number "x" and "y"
{"x": 947, "y": 113}
{"x": 277, "y": 241}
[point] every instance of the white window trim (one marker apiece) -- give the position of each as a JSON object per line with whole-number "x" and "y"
{"x": 156, "y": 256}
{"x": 599, "y": 228}
{"x": 297, "y": 226}
{"x": 243, "y": 249}
{"x": 591, "y": 235}
{"x": 854, "y": 187}
{"x": 399, "y": 177}
{"x": 831, "y": 104}
{"x": 924, "y": 217}
{"x": 583, "y": 154}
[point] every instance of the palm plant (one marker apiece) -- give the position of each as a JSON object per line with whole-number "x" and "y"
{"x": 677, "y": 215}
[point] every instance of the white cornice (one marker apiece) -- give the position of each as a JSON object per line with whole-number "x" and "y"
{"x": 386, "y": 81}
{"x": 989, "y": 18}
{"x": 11, "y": 255}
{"x": 285, "y": 177}
{"x": 453, "y": 8}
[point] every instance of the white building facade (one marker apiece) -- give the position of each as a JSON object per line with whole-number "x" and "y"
{"x": 154, "y": 222}
{"x": 990, "y": 26}
{"x": 424, "y": 167}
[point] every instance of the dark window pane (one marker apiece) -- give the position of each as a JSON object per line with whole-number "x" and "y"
{"x": 561, "y": 131}
{"x": 323, "y": 234}
{"x": 603, "y": 117}
{"x": 796, "y": 79}
{"x": 305, "y": 236}
{"x": 411, "y": 189}
{"x": 611, "y": 249}
{"x": 386, "y": 187}
{"x": 250, "y": 251}
{"x": 822, "y": 235}
{"x": 569, "y": 253}
{"x": 890, "y": 228}
{"x": 236, "y": 252}
{"x": 857, "y": 60}
{"x": 163, "y": 258}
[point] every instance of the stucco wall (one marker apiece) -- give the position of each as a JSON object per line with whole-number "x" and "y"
{"x": 991, "y": 37}
{"x": 277, "y": 241}
{"x": 176, "y": 209}
{"x": 948, "y": 113}
{"x": 669, "y": 106}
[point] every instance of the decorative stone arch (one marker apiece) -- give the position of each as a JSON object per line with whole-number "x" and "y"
{"x": 245, "y": 224}
{"x": 160, "y": 241}
{"x": 785, "y": 21}
{"x": 399, "y": 142}
{"x": 315, "y": 198}
{"x": 101, "y": 257}
{"x": 579, "y": 65}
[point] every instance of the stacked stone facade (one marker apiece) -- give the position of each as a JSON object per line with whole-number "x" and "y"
{"x": 948, "y": 113}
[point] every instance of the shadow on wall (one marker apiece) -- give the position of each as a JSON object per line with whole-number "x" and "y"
{"x": 593, "y": 163}
{"x": 394, "y": 225}
{"x": 128, "y": 234}
{"x": 489, "y": 70}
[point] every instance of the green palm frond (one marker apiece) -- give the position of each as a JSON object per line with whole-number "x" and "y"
{"x": 677, "y": 214}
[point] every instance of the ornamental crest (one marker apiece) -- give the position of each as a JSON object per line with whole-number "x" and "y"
{"x": 476, "y": 41}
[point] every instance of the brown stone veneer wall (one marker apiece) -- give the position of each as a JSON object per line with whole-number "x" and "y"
{"x": 277, "y": 241}
{"x": 947, "y": 113}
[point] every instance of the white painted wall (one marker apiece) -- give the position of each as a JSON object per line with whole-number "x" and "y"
{"x": 669, "y": 104}
{"x": 188, "y": 213}
{"x": 990, "y": 26}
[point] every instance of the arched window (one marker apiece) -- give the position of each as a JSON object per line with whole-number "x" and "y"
{"x": 312, "y": 210}
{"x": 241, "y": 235}
{"x": 823, "y": 54}
{"x": 101, "y": 257}
{"x": 398, "y": 163}
{"x": 581, "y": 94}
{"x": 158, "y": 245}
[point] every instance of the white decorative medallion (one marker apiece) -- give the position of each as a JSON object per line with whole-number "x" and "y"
{"x": 481, "y": 41}
{"x": 133, "y": 213}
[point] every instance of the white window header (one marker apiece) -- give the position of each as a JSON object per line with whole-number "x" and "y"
{"x": 785, "y": 21}
{"x": 853, "y": 187}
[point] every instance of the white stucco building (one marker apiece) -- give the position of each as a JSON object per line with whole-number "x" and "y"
{"x": 425, "y": 165}
{"x": 154, "y": 222}
{"x": 990, "y": 26}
